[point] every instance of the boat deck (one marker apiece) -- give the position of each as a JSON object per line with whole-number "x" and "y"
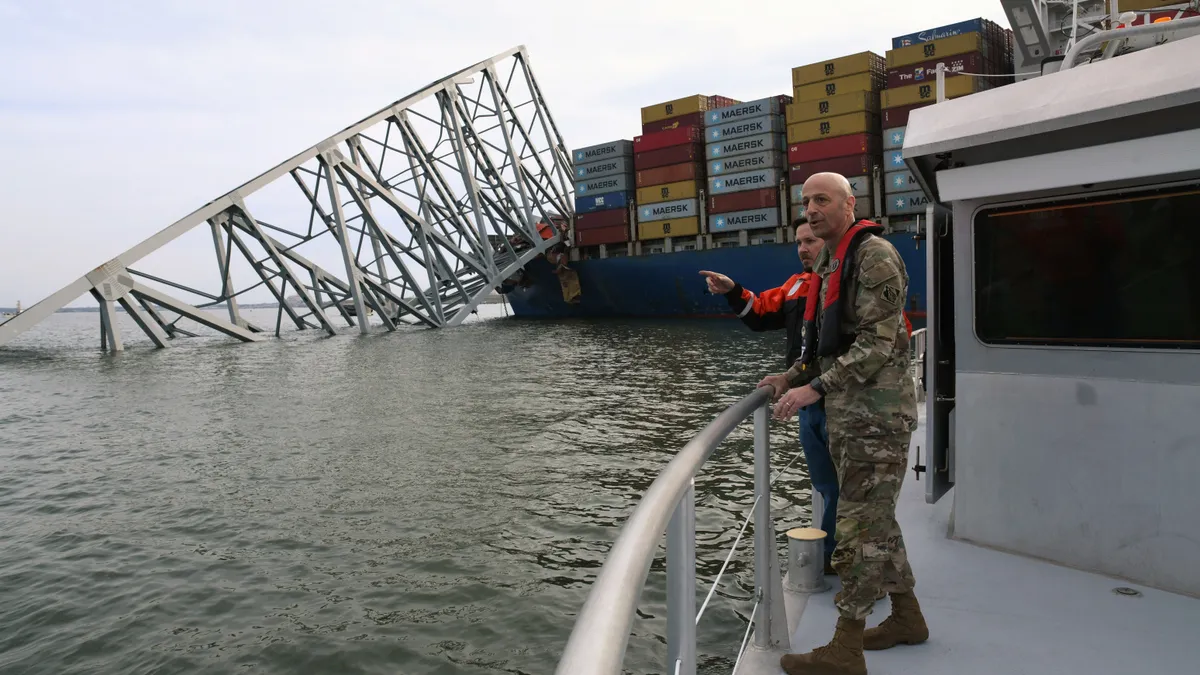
{"x": 994, "y": 612}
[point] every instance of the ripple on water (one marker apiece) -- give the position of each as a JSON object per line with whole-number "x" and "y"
{"x": 417, "y": 502}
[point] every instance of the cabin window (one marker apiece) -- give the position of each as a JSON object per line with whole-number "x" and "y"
{"x": 1113, "y": 271}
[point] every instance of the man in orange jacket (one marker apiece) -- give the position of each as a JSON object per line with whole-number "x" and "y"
{"x": 783, "y": 307}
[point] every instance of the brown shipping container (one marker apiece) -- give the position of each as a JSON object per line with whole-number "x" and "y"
{"x": 927, "y": 91}
{"x": 669, "y": 138}
{"x": 670, "y": 174}
{"x": 927, "y": 71}
{"x": 862, "y": 62}
{"x": 842, "y": 125}
{"x": 597, "y": 219}
{"x": 676, "y": 227}
{"x": 828, "y": 148}
{"x": 858, "y": 101}
{"x": 842, "y": 85}
{"x": 857, "y": 165}
{"x": 666, "y": 192}
{"x": 690, "y": 119}
{"x": 614, "y": 234}
{"x": 680, "y": 106}
{"x": 743, "y": 201}
{"x": 964, "y": 43}
{"x": 677, "y": 154}
{"x": 898, "y": 117}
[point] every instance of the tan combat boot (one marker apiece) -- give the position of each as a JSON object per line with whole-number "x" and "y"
{"x": 842, "y": 656}
{"x": 905, "y": 625}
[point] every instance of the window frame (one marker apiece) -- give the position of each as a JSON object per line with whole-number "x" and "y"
{"x": 1066, "y": 199}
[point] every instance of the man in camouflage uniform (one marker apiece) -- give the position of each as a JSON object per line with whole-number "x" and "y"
{"x": 857, "y": 336}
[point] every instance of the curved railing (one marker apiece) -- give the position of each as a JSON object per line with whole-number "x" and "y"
{"x": 598, "y": 641}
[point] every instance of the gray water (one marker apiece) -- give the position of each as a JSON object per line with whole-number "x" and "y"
{"x": 426, "y": 501}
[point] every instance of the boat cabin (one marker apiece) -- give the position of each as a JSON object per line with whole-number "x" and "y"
{"x": 1062, "y": 375}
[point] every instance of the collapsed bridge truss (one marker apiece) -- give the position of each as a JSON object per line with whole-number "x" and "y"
{"x": 412, "y": 215}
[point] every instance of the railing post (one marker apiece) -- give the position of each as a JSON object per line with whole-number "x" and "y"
{"x": 681, "y": 585}
{"x": 770, "y": 624}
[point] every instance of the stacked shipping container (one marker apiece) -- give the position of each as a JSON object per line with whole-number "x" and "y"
{"x": 833, "y": 125}
{"x": 604, "y": 181}
{"x": 968, "y": 48}
{"x": 669, "y": 167}
{"x": 745, "y": 153}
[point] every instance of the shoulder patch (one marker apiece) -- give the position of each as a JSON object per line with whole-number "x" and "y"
{"x": 891, "y": 294}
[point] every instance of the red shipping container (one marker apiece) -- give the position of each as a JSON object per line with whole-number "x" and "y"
{"x": 674, "y": 173}
{"x": 665, "y": 139}
{"x": 898, "y": 117}
{"x": 695, "y": 119}
{"x": 840, "y": 146}
{"x": 857, "y": 165}
{"x": 597, "y": 219}
{"x": 614, "y": 234}
{"x": 715, "y": 102}
{"x": 744, "y": 201}
{"x": 927, "y": 72}
{"x": 678, "y": 154}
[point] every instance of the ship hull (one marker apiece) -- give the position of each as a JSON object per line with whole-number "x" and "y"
{"x": 670, "y": 284}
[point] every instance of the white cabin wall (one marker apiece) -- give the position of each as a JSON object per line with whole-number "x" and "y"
{"x": 1090, "y": 458}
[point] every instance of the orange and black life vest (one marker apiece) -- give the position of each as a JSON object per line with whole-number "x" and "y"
{"x": 773, "y": 309}
{"x": 824, "y": 338}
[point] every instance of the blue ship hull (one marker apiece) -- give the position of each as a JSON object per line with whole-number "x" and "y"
{"x": 670, "y": 285}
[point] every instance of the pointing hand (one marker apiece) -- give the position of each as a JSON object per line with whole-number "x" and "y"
{"x": 718, "y": 283}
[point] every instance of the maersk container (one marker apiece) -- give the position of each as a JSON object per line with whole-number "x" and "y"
{"x": 748, "y": 180}
{"x": 905, "y": 203}
{"x": 893, "y": 160}
{"x": 759, "y": 160}
{"x": 860, "y": 186}
{"x": 745, "y": 146}
{"x": 773, "y": 105}
{"x": 743, "y": 128}
{"x": 683, "y": 208}
{"x": 608, "y": 200}
{"x": 595, "y": 153}
{"x": 900, "y": 181}
{"x": 605, "y": 167}
{"x": 754, "y": 219}
{"x": 893, "y": 139}
{"x": 618, "y": 183}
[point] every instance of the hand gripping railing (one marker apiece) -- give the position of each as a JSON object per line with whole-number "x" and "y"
{"x": 601, "y": 633}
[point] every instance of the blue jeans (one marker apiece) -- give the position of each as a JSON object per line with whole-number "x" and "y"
{"x": 815, "y": 441}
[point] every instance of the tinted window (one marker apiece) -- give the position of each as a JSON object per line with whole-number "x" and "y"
{"x": 1122, "y": 270}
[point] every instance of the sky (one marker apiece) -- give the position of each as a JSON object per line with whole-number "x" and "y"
{"x": 119, "y": 118}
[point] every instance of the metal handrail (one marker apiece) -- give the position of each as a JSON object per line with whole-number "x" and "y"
{"x": 600, "y": 636}
{"x": 1122, "y": 33}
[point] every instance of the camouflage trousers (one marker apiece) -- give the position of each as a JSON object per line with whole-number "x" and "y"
{"x": 870, "y": 556}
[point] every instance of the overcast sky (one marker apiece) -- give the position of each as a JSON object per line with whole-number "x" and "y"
{"x": 119, "y": 117}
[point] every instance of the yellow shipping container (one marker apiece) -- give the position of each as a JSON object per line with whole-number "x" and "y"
{"x": 862, "y": 62}
{"x": 936, "y": 49}
{"x": 842, "y": 85}
{"x": 859, "y": 101}
{"x": 684, "y": 189}
{"x": 680, "y": 106}
{"x": 842, "y": 125}
{"x": 926, "y": 92}
{"x": 677, "y": 227}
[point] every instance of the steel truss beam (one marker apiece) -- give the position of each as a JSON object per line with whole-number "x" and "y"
{"x": 423, "y": 209}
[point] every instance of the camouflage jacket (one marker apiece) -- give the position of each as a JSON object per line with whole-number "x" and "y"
{"x": 869, "y": 387}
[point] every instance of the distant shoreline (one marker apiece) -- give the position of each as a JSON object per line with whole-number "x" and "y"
{"x": 493, "y": 299}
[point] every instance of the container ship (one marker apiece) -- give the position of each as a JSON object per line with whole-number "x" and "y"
{"x": 714, "y": 183}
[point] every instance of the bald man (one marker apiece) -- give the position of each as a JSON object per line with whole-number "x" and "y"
{"x": 857, "y": 337}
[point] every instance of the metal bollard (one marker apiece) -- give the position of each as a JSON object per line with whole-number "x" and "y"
{"x": 806, "y": 560}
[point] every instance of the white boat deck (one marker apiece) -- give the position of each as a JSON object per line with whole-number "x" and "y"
{"x": 993, "y": 612}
